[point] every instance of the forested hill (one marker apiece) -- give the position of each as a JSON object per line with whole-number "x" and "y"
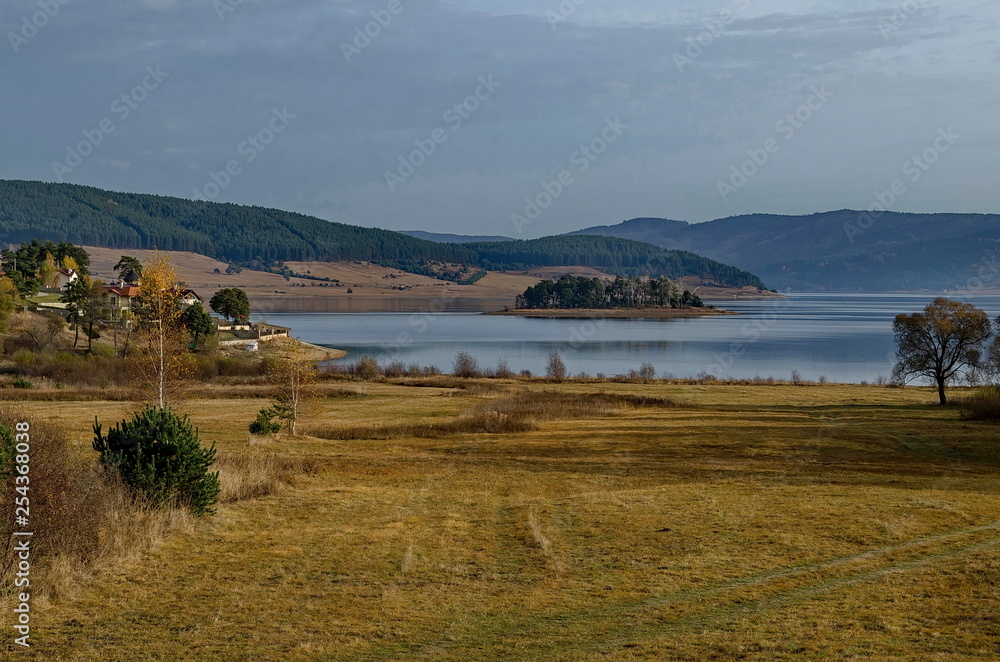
{"x": 243, "y": 235}
{"x": 228, "y": 232}
{"x": 616, "y": 256}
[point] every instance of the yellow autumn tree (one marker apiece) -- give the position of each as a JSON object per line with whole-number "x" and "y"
{"x": 9, "y": 300}
{"x": 69, "y": 263}
{"x": 48, "y": 274}
{"x": 158, "y": 365}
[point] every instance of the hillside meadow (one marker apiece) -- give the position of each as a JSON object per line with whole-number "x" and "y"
{"x": 660, "y": 521}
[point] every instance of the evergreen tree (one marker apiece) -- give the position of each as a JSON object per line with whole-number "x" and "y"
{"x": 197, "y": 321}
{"x": 232, "y": 303}
{"x": 159, "y": 455}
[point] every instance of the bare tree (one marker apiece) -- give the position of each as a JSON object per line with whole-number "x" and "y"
{"x": 295, "y": 376}
{"x": 556, "y": 367}
{"x": 944, "y": 342}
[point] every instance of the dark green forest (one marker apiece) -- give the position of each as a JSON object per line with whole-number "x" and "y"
{"x": 573, "y": 292}
{"x": 258, "y": 237}
{"x": 623, "y": 257}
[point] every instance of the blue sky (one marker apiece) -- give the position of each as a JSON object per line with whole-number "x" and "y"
{"x": 821, "y": 105}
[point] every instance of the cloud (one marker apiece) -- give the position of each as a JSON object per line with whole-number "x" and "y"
{"x": 608, "y": 59}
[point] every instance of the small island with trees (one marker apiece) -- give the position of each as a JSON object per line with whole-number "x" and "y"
{"x": 623, "y": 297}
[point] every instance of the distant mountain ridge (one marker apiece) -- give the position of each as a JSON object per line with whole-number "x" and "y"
{"x": 259, "y": 237}
{"x": 841, "y": 250}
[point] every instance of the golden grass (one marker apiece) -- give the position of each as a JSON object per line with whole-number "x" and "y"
{"x": 762, "y": 523}
{"x": 243, "y": 476}
{"x": 521, "y": 412}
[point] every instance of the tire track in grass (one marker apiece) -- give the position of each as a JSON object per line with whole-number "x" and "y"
{"x": 743, "y": 610}
{"x": 638, "y": 620}
{"x": 912, "y": 442}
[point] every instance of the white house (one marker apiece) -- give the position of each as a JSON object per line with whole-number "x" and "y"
{"x": 190, "y": 297}
{"x": 64, "y": 277}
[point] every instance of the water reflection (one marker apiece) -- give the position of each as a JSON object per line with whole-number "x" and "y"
{"x": 844, "y": 337}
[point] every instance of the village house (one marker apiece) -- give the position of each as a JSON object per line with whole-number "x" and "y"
{"x": 190, "y": 297}
{"x": 122, "y": 293}
{"x": 64, "y": 277}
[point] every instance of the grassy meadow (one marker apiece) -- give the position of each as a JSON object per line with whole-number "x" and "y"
{"x": 653, "y": 522}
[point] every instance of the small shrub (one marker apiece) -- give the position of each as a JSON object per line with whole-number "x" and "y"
{"x": 466, "y": 366}
{"x": 103, "y": 351}
{"x": 240, "y": 365}
{"x": 503, "y": 371}
{"x": 366, "y": 369}
{"x": 555, "y": 369}
{"x": 159, "y": 456}
{"x": 23, "y": 382}
{"x": 982, "y": 405}
{"x": 25, "y": 358}
{"x": 394, "y": 370}
{"x": 7, "y": 452}
{"x": 796, "y": 378}
{"x": 647, "y": 372}
{"x": 265, "y": 425}
{"x": 823, "y": 379}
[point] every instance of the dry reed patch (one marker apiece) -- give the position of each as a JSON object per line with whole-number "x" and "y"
{"x": 244, "y": 476}
{"x": 521, "y": 412}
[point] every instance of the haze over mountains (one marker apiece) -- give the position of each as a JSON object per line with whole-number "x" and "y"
{"x": 839, "y": 250}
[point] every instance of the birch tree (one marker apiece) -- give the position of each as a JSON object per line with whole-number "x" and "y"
{"x": 157, "y": 363}
{"x": 294, "y": 375}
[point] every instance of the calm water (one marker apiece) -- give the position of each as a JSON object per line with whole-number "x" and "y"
{"x": 847, "y": 338}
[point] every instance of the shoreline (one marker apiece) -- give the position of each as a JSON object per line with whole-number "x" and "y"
{"x": 614, "y": 313}
{"x": 316, "y": 352}
{"x": 327, "y": 353}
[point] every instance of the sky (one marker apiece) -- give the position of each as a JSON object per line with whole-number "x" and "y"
{"x": 520, "y": 118}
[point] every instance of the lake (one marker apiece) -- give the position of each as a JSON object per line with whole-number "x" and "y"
{"x": 845, "y": 337}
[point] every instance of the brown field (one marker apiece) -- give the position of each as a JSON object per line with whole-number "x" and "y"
{"x": 370, "y": 283}
{"x": 716, "y": 523}
{"x": 372, "y": 286}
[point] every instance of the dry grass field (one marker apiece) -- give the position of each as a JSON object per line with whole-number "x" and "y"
{"x": 698, "y": 522}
